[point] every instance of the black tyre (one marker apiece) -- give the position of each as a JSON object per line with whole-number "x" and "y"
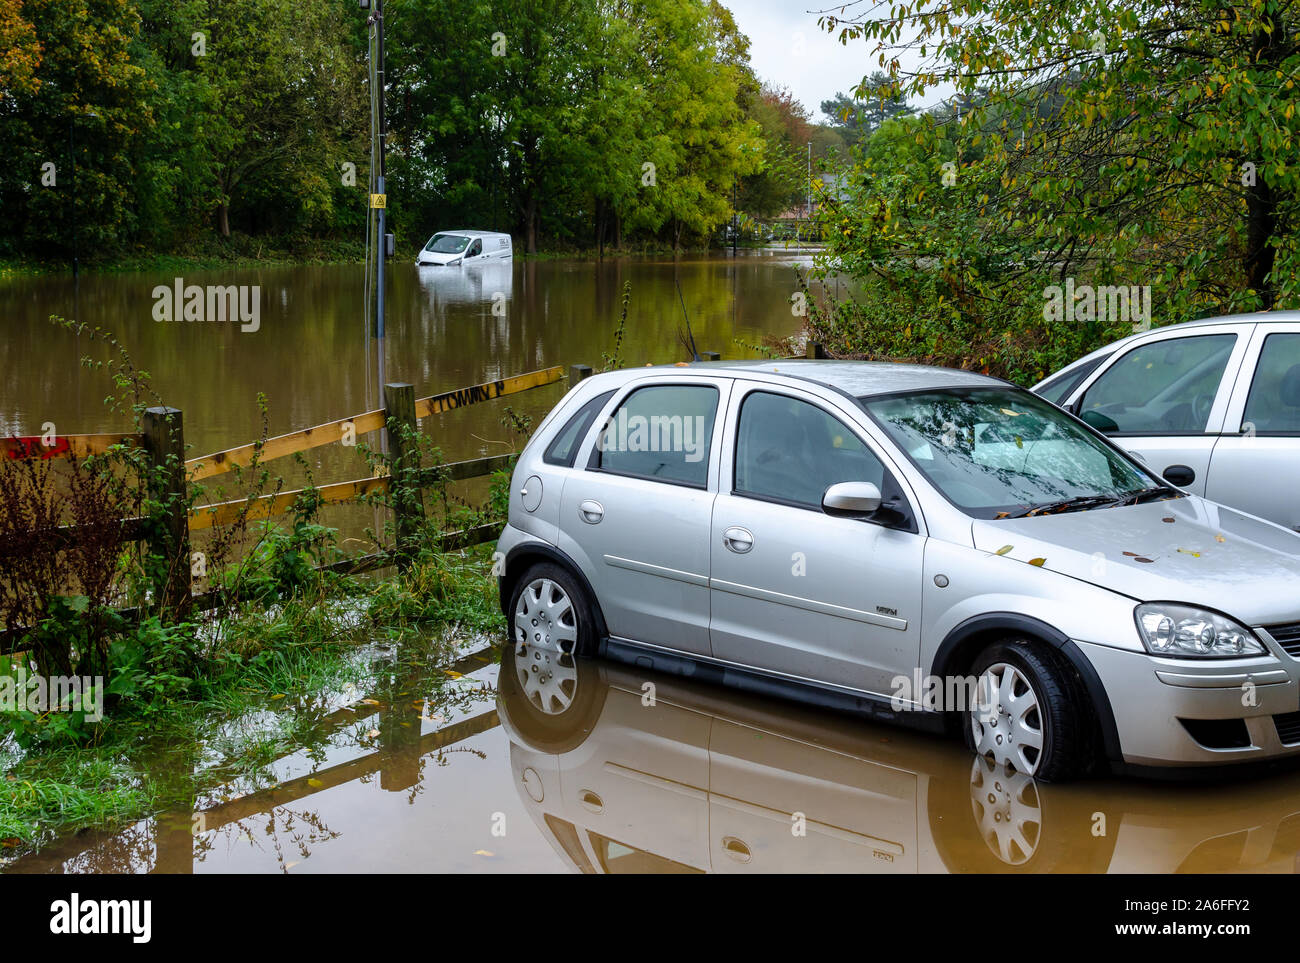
{"x": 546, "y": 682}
{"x": 1030, "y": 713}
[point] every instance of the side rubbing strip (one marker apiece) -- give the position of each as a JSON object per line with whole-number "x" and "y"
{"x": 645, "y": 568}
{"x": 822, "y": 608}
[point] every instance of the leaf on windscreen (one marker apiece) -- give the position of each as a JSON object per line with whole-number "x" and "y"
{"x": 1019, "y": 442}
{"x": 1009, "y": 413}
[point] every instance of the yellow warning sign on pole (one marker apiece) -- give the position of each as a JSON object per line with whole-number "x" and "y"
{"x": 378, "y": 200}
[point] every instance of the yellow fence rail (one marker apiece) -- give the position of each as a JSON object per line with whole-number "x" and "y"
{"x": 332, "y": 432}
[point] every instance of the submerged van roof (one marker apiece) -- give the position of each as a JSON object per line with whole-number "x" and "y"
{"x": 474, "y": 233}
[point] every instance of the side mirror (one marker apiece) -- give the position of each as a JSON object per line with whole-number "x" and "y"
{"x": 851, "y": 499}
{"x": 1100, "y": 421}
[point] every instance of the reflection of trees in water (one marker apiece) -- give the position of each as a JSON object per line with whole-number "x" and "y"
{"x": 287, "y": 832}
{"x": 132, "y": 850}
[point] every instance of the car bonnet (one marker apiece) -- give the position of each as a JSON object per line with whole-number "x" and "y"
{"x": 1183, "y": 549}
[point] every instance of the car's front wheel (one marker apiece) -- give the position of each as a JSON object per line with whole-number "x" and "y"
{"x": 1028, "y": 712}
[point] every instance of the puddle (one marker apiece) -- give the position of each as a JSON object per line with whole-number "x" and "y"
{"x": 418, "y": 777}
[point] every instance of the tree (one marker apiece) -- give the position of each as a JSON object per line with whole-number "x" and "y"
{"x": 1157, "y": 140}
{"x": 1130, "y": 144}
{"x": 20, "y": 52}
{"x": 83, "y": 99}
{"x": 876, "y": 100}
{"x": 785, "y": 129}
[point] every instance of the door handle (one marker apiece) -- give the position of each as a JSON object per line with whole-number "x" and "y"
{"x": 737, "y": 849}
{"x": 738, "y": 540}
{"x": 591, "y": 512}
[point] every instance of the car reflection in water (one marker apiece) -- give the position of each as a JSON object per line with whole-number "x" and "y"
{"x": 628, "y": 771}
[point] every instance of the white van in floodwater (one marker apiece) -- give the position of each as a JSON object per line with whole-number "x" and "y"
{"x": 457, "y": 247}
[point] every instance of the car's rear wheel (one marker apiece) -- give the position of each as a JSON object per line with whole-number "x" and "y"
{"x": 1028, "y": 712}
{"x": 551, "y": 627}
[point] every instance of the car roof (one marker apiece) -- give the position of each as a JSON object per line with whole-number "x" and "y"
{"x": 857, "y": 378}
{"x": 1256, "y": 317}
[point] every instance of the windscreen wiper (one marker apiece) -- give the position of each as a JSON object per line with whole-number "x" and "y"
{"x": 1148, "y": 494}
{"x": 1078, "y": 503}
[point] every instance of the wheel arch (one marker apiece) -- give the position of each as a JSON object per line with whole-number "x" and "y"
{"x": 519, "y": 558}
{"x": 963, "y": 644}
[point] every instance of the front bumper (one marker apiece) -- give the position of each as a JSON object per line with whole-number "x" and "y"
{"x": 1171, "y": 712}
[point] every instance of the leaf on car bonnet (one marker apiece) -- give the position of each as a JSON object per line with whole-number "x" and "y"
{"x": 1004, "y": 549}
{"x": 1038, "y": 561}
{"x": 1188, "y": 551}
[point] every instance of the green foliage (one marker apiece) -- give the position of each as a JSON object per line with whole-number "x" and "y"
{"x": 1116, "y": 144}
{"x": 198, "y": 120}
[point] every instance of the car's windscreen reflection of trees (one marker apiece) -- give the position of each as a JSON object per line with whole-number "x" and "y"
{"x": 992, "y": 451}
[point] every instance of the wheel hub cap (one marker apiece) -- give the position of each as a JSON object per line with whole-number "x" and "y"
{"x": 546, "y": 635}
{"x": 1006, "y": 720}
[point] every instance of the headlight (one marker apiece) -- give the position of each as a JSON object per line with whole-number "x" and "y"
{"x": 1182, "y": 631}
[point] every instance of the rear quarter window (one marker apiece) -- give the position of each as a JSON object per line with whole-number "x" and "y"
{"x": 563, "y": 449}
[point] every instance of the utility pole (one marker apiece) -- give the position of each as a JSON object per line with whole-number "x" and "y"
{"x": 382, "y": 246}
{"x": 809, "y": 190}
{"x": 378, "y": 199}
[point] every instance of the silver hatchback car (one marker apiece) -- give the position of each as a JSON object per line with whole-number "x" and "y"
{"x": 923, "y": 545}
{"x": 1212, "y": 405}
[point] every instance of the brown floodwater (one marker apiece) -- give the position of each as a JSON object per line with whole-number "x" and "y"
{"x": 447, "y": 328}
{"x": 447, "y": 767}
{"x": 649, "y": 773}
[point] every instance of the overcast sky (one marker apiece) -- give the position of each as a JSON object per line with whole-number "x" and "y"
{"x": 788, "y": 49}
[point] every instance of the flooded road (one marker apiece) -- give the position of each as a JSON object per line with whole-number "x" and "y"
{"x": 642, "y": 772}
{"x": 447, "y": 328}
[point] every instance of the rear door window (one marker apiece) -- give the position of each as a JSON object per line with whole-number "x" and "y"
{"x": 661, "y": 433}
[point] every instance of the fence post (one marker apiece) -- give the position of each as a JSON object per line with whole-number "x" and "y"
{"x": 816, "y": 351}
{"x": 710, "y": 356}
{"x": 164, "y": 442}
{"x": 403, "y": 479}
{"x": 579, "y": 372}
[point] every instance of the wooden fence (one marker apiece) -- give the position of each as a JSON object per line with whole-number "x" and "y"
{"x": 163, "y": 438}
